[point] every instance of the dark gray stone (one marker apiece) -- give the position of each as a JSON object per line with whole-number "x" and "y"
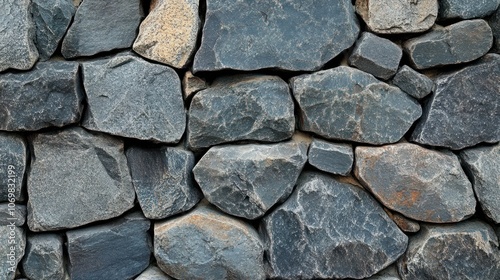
{"x": 494, "y": 23}
{"x": 466, "y": 9}
{"x": 117, "y": 250}
{"x": 49, "y": 95}
{"x": 463, "y": 110}
{"x": 389, "y": 273}
{"x": 12, "y": 213}
{"x": 130, "y": 97}
{"x": 405, "y": 224}
{"x": 344, "y": 103}
{"x": 248, "y": 107}
{"x": 335, "y": 158}
{"x": 153, "y": 273}
{"x": 13, "y": 161}
{"x": 77, "y": 178}
{"x": 412, "y": 82}
{"x": 13, "y": 244}
{"x": 329, "y": 228}
{"x": 461, "y": 42}
{"x": 44, "y": 259}
{"x": 292, "y": 35}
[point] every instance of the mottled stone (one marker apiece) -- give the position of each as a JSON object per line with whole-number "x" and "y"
{"x": 44, "y": 258}
{"x": 335, "y": 158}
{"x": 153, "y": 273}
{"x": 13, "y": 161}
{"x": 405, "y": 224}
{"x": 291, "y": 35}
{"x": 191, "y": 84}
{"x": 466, "y": 9}
{"x": 412, "y": 82}
{"x": 10, "y": 212}
{"x": 207, "y": 244}
{"x": 348, "y": 104}
{"x": 76, "y": 178}
{"x": 12, "y": 245}
{"x": 494, "y": 23}
{"x": 130, "y": 97}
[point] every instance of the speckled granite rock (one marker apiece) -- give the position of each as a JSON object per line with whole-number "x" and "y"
{"x": 13, "y": 243}
{"x": 466, "y": 9}
{"x": 44, "y": 257}
{"x": 335, "y": 158}
{"x": 410, "y": 81}
{"x": 13, "y": 160}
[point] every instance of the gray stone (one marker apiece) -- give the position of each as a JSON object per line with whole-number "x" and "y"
{"x": 494, "y": 23}
{"x": 412, "y": 82}
{"x": 422, "y": 184}
{"x": 375, "y": 55}
{"x": 130, "y": 97}
{"x": 249, "y": 107}
{"x": 292, "y": 35}
{"x": 344, "y": 103}
{"x": 207, "y": 244}
{"x": 153, "y": 273}
{"x": 389, "y": 273}
{"x": 117, "y": 250}
{"x": 405, "y": 224}
{"x": 12, "y": 213}
{"x": 466, "y": 9}
{"x": 101, "y": 26}
{"x": 13, "y": 161}
{"x": 44, "y": 259}
{"x": 463, "y": 110}
{"x": 191, "y": 84}
{"x": 77, "y": 178}
{"x": 329, "y": 228}
{"x": 17, "y": 46}
{"x": 13, "y": 243}
{"x": 461, "y": 42}
{"x": 335, "y": 158}
{"x": 48, "y": 95}
{"x": 467, "y": 250}
{"x": 163, "y": 180}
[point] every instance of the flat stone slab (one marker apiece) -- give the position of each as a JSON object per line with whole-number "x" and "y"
{"x": 412, "y": 82}
{"x": 335, "y": 158}
{"x": 44, "y": 257}
{"x": 13, "y": 163}
{"x": 13, "y": 240}
{"x": 465, "y": 9}
{"x": 10, "y": 212}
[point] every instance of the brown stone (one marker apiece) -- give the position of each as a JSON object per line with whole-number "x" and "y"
{"x": 405, "y": 224}
{"x": 191, "y": 84}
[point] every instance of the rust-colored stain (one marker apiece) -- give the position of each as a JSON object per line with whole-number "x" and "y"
{"x": 407, "y": 198}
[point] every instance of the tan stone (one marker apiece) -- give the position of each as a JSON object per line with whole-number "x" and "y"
{"x": 191, "y": 84}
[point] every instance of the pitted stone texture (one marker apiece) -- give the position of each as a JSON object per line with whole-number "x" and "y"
{"x": 191, "y": 84}
{"x": 49, "y": 95}
{"x": 44, "y": 259}
{"x": 13, "y": 160}
{"x": 422, "y": 184}
{"x": 207, "y": 244}
{"x": 246, "y": 107}
{"x": 329, "y": 228}
{"x": 12, "y": 213}
{"x": 466, "y": 9}
{"x": 11, "y": 258}
{"x": 348, "y": 104}
{"x": 169, "y": 32}
{"x": 461, "y": 42}
{"x": 405, "y": 224}
{"x": 290, "y": 35}
{"x": 463, "y": 110}
{"x": 130, "y": 97}
{"x": 494, "y": 23}
{"x": 153, "y": 273}
{"x": 335, "y": 158}
{"x": 77, "y": 178}
{"x": 467, "y": 250}
{"x": 412, "y": 82}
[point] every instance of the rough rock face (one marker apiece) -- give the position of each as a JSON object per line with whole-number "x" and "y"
{"x": 494, "y": 23}
{"x": 16, "y": 214}
{"x": 466, "y": 9}
{"x": 191, "y": 84}
{"x": 206, "y": 244}
{"x": 241, "y": 108}
{"x": 335, "y": 158}
{"x": 291, "y": 35}
{"x": 422, "y": 184}
{"x": 412, "y": 82}
{"x": 13, "y": 158}
{"x": 11, "y": 258}
{"x": 76, "y": 178}
{"x": 153, "y": 273}
{"x": 405, "y": 224}
{"x": 347, "y": 104}
{"x": 322, "y": 231}
{"x": 44, "y": 258}
{"x": 463, "y": 111}
{"x": 389, "y": 273}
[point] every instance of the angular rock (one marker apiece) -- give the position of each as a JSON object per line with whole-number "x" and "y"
{"x": 247, "y": 107}
{"x": 466, "y": 9}
{"x": 207, "y": 244}
{"x": 412, "y": 82}
{"x": 130, "y": 97}
{"x": 344, "y": 103}
{"x": 191, "y": 84}
{"x": 153, "y": 273}
{"x": 494, "y": 23}
{"x": 422, "y": 184}
{"x": 44, "y": 259}
{"x": 389, "y": 273}
{"x": 77, "y": 178}
{"x": 169, "y": 33}
{"x": 49, "y": 95}
{"x": 13, "y": 162}
{"x": 12, "y": 213}
{"x": 13, "y": 243}
{"x": 463, "y": 110}
{"x": 335, "y": 158}
{"x": 293, "y": 35}
{"x": 461, "y": 42}
{"x": 403, "y": 223}
{"x": 117, "y": 250}
{"x": 101, "y": 26}
{"x": 329, "y": 228}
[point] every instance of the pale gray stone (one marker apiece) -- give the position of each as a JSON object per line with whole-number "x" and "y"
{"x": 335, "y": 158}
{"x": 13, "y": 163}
{"x": 13, "y": 244}
{"x": 412, "y": 82}
{"x": 466, "y": 9}
{"x": 44, "y": 257}
{"x": 11, "y": 212}
{"x": 153, "y": 273}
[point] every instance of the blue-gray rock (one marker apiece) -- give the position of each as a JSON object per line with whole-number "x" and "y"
{"x": 163, "y": 180}
{"x": 101, "y": 26}
{"x": 153, "y": 273}
{"x": 117, "y": 250}
{"x": 76, "y": 178}
{"x": 335, "y": 158}
{"x": 49, "y": 95}
{"x": 412, "y": 82}
{"x": 44, "y": 257}
{"x": 130, "y": 97}
{"x": 466, "y": 9}
{"x": 389, "y": 273}
{"x": 461, "y": 42}
{"x": 13, "y": 244}
{"x": 292, "y": 35}
{"x": 207, "y": 244}
{"x": 375, "y": 55}
{"x": 344, "y": 103}
{"x": 463, "y": 110}
{"x": 422, "y": 184}
{"x": 494, "y": 23}
{"x": 249, "y": 107}
{"x": 10, "y": 212}
{"x": 13, "y": 162}
{"x": 329, "y": 228}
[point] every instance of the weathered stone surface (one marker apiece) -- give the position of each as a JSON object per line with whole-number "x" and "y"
{"x": 461, "y": 42}
{"x": 292, "y": 35}
{"x": 48, "y": 95}
{"x": 375, "y": 55}
{"x": 335, "y": 158}
{"x": 348, "y": 104}
{"x": 329, "y": 228}
{"x": 169, "y": 32}
{"x": 153, "y": 273}
{"x": 11, "y": 253}
{"x": 13, "y": 161}
{"x": 76, "y": 178}
{"x": 101, "y": 26}
{"x": 395, "y": 16}
{"x": 248, "y": 107}
{"x": 163, "y": 180}
{"x": 422, "y": 184}
{"x": 463, "y": 110}
{"x": 207, "y": 244}
{"x": 12, "y": 213}
{"x": 494, "y": 23}
{"x": 412, "y": 82}
{"x": 117, "y": 250}
{"x": 468, "y": 250}
{"x": 389, "y": 273}
{"x": 405, "y": 224}
{"x": 191, "y": 84}
{"x": 44, "y": 259}
{"x": 466, "y": 9}
{"x": 128, "y": 96}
